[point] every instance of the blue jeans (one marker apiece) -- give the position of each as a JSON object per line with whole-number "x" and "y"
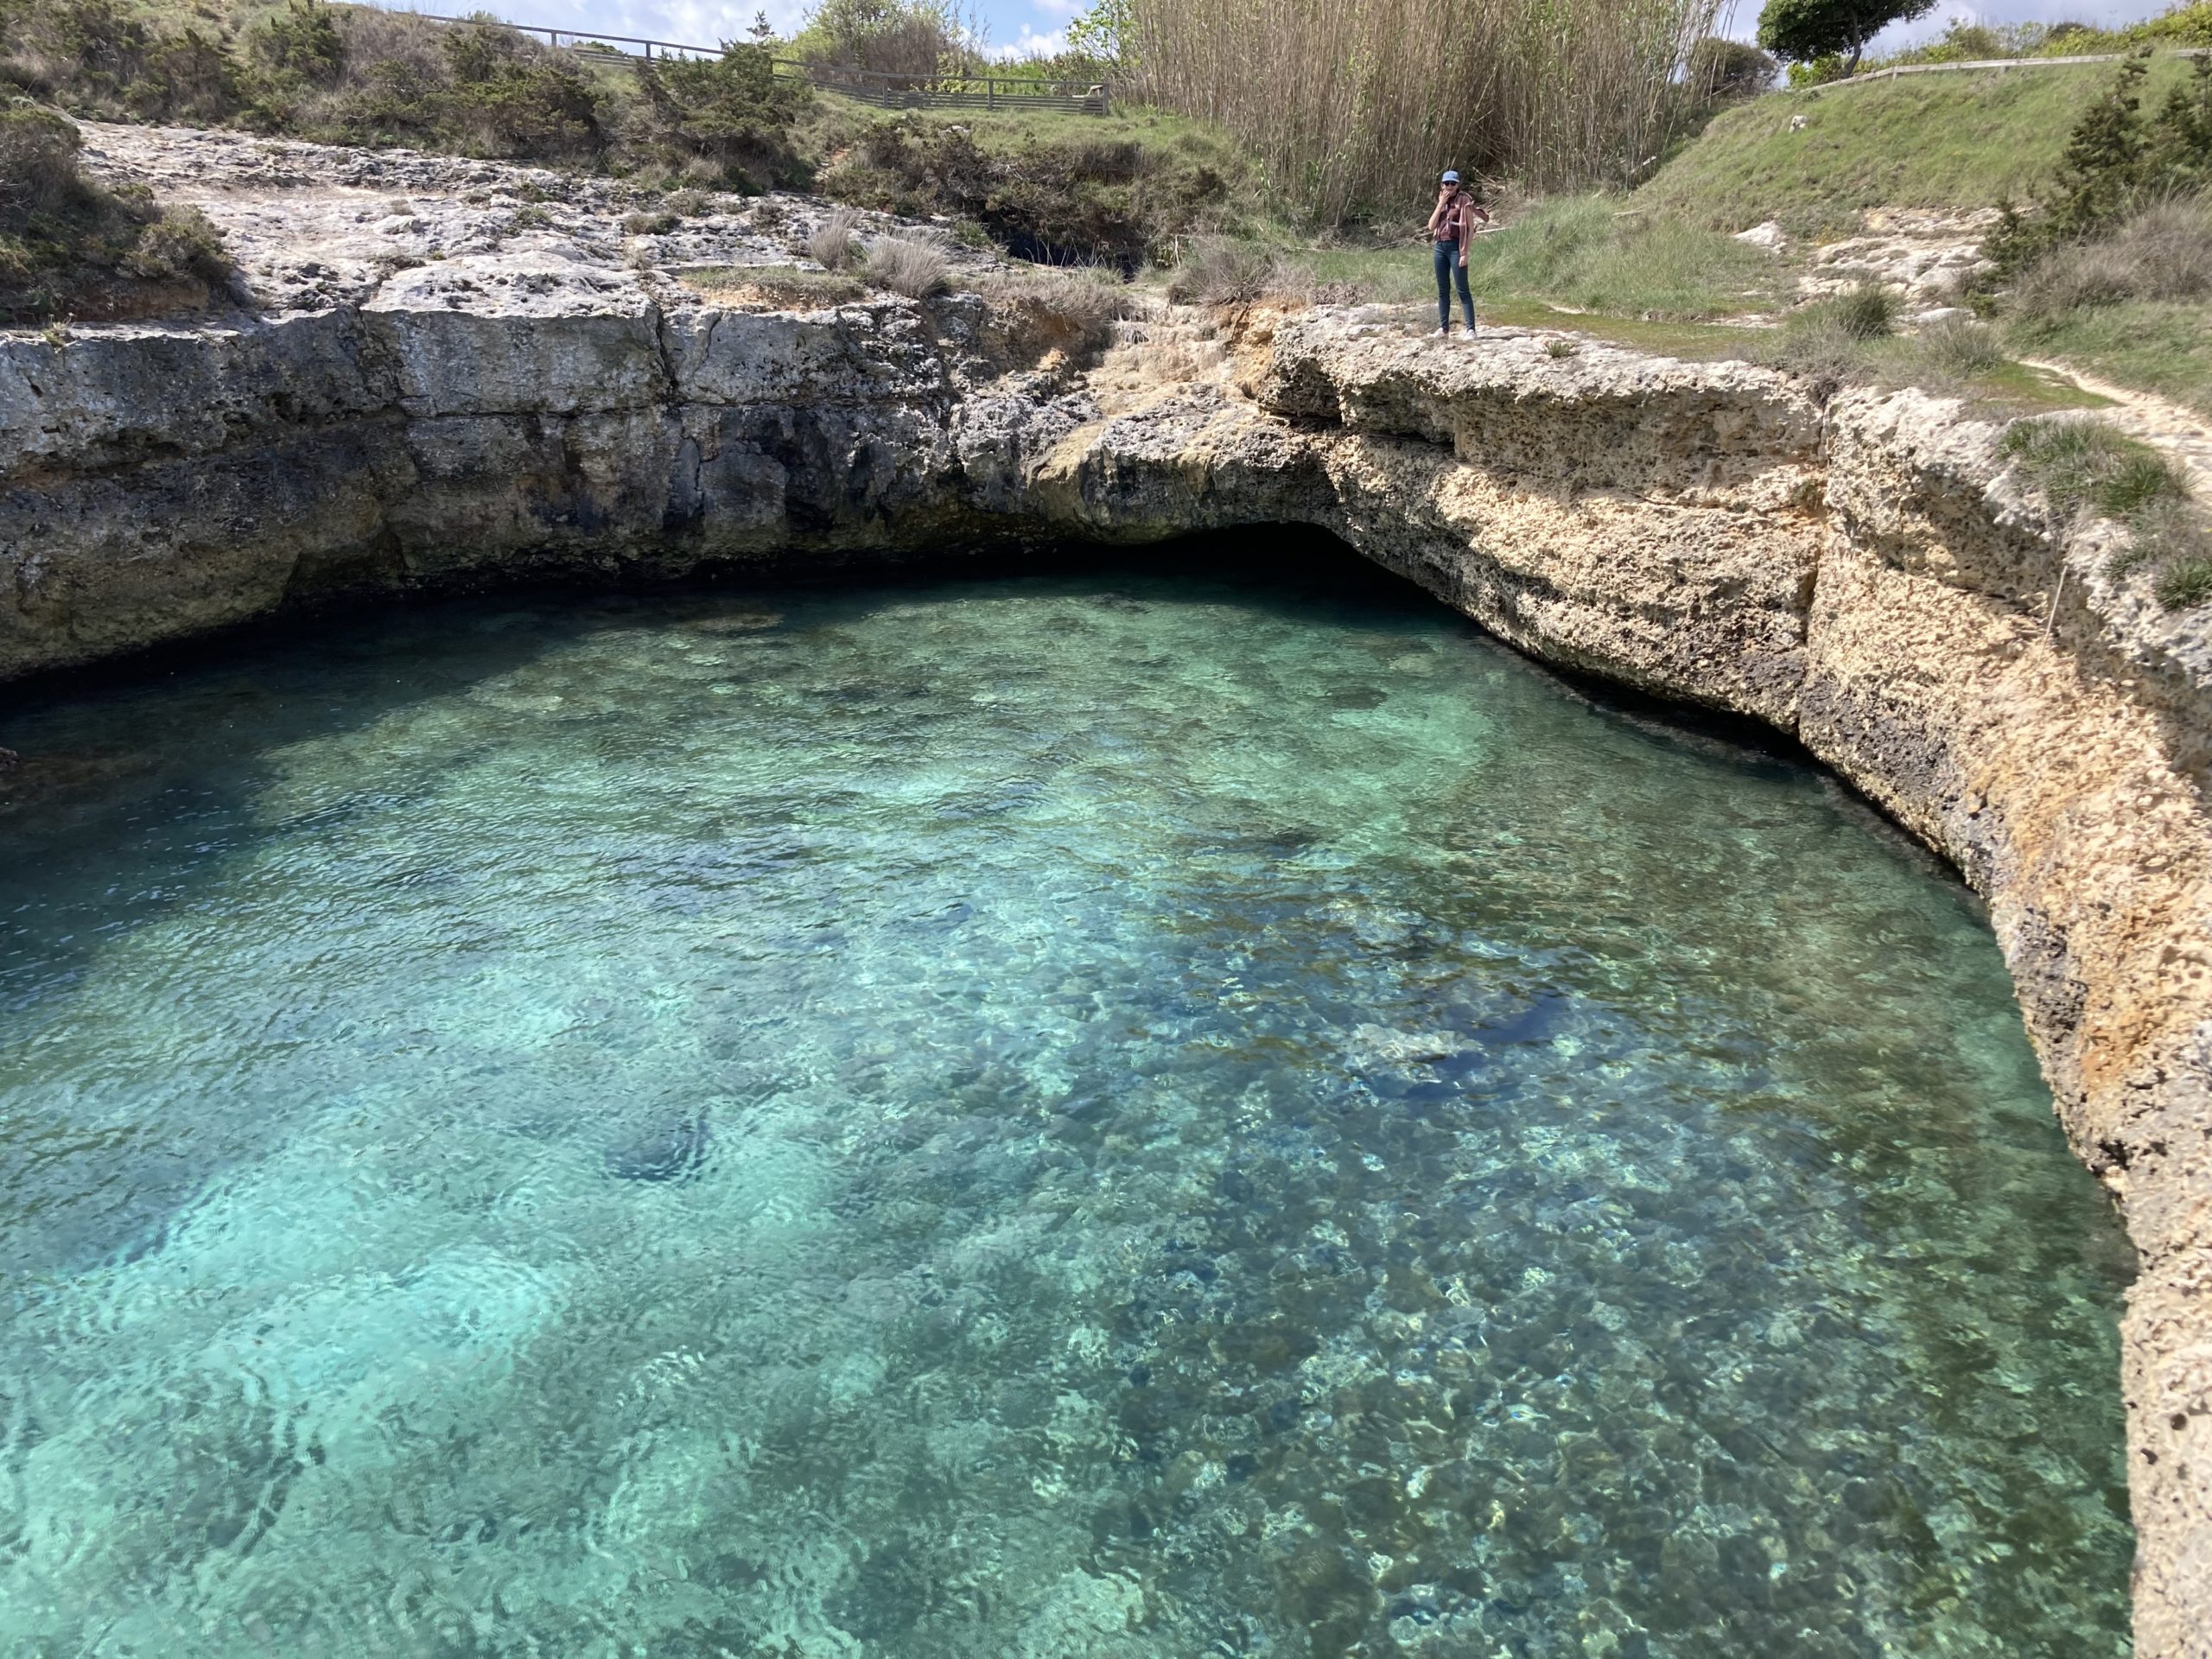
{"x": 1448, "y": 267}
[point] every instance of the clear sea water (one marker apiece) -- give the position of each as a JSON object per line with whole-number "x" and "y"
{"x": 1146, "y": 1112}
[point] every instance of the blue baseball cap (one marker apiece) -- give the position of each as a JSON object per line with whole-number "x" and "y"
{"x": 1450, "y": 177}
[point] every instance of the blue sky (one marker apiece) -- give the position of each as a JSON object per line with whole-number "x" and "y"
{"x": 1018, "y": 25}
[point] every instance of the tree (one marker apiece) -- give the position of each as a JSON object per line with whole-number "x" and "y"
{"x": 1802, "y": 30}
{"x": 1719, "y": 70}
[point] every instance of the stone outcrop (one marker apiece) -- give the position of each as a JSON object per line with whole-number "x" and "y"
{"x": 1865, "y": 575}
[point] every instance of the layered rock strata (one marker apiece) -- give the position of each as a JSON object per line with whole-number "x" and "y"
{"x": 1865, "y": 576}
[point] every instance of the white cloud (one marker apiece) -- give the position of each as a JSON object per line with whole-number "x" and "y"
{"x": 689, "y": 22}
{"x": 1744, "y": 22}
{"x": 1032, "y": 45}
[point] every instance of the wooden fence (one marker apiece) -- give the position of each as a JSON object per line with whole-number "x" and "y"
{"x": 1891, "y": 72}
{"x": 887, "y": 91}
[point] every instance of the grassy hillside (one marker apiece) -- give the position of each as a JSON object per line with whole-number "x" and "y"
{"x": 1958, "y": 141}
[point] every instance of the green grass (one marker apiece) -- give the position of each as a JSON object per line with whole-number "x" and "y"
{"x": 1588, "y": 253}
{"x": 2088, "y": 467}
{"x": 1941, "y": 141}
{"x": 2158, "y": 347}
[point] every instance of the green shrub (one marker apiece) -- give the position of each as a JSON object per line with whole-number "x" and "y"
{"x": 182, "y": 243}
{"x": 1867, "y": 312}
{"x": 38, "y": 163}
{"x": 1062, "y": 199}
{"x": 300, "y": 43}
{"x": 905, "y": 38}
{"x": 733, "y": 113}
{"x": 97, "y": 58}
{"x": 67, "y": 245}
{"x": 1959, "y": 347}
{"x": 2117, "y": 163}
{"x": 1719, "y": 69}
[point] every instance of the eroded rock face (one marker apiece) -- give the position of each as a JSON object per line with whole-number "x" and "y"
{"x": 1867, "y": 576}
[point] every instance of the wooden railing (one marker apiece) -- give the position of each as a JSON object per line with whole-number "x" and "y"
{"x": 954, "y": 92}
{"x": 887, "y": 90}
{"x": 1891, "y": 72}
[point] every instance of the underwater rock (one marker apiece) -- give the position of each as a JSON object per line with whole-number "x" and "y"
{"x": 673, "y": 1150}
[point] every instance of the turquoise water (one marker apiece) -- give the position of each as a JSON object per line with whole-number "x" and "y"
{"x": 1128, "y": 1114}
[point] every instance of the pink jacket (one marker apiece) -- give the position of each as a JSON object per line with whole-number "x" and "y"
{"x": 1455, "y": 220}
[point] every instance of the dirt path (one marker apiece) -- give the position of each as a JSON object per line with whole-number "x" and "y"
{"x": 2179, "y": 432}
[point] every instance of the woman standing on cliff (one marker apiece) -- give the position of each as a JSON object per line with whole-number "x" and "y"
{"x": 1452, "y": 229}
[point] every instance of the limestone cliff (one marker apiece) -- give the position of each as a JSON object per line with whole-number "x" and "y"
{"x": 1864, "y": 574}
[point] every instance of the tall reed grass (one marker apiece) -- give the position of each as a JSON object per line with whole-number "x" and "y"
{"x": 1358, "y": 104}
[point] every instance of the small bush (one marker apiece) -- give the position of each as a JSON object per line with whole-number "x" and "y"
{"x": 1215, "y": 271}
{"x": 1559, "y": 346}
{"x": 2162, "y": 252}
{"x": 832, "y": 244}
{"x": 1817, "y": 344}
{"x": 905, "y": 38}
{"x": 38, "y": 163}
{"x": 1867, "y": 312}
{"x": 725, "y": 119}
{"x": 2117, "y": 162}
{"x": 1721, "y": 70}
{"x": 2184, "y": 582}
{"x": 1960, "y": 347}
{"x": 1052, "y": 200}
{"x": 1081, "y": 304}
{"x": 67, "y": 245}
{"x": 646, "y": 224}
{"x": 301, "y": 41}
{"x": 183, "y": 243}
{"x": 688, "y": 204}
{"x": 905, "y": 264}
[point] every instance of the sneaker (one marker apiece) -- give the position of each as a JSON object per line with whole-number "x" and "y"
{"x": 1444, "y": 333}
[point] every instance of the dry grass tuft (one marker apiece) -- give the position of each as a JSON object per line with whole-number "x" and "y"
{"x": 2164, "y": 253}
{"x": 1961, "y": 347}
{"x": 1080, "y": 303}
{"x": 832, "y": 245}
{"x": 906, "y": 264}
